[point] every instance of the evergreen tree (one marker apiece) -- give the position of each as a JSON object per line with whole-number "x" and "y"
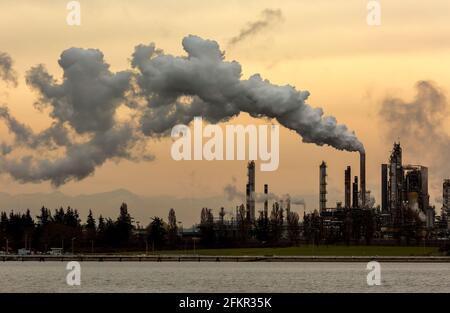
{"x": 156, "y": 232}
{"x": 172, "y": 228}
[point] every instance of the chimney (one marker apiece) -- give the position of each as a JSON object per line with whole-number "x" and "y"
{"x": 362, "y": 176}
{"x": 355, "y": 192}
{"x": 348, "y": 187}
{"x": 266, "y": 200}
{"x": 323, "y": 186}
{"x": 384, "y": 188}
{"x": 251, "y": 189}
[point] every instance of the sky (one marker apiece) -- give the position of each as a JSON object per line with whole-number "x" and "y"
{"x": 326, "y": 48}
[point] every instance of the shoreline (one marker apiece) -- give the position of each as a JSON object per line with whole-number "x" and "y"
{"x": 222, "y": 258}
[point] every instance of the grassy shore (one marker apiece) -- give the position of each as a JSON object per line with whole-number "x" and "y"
{"x": 316, "y": 251}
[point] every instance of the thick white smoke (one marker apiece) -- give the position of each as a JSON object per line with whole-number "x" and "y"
{"x": 161, "y": 90}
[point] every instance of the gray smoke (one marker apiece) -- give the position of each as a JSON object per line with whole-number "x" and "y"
{"x": 7, "y": 72}
{"x": 420, "y": 124}
{"x": 83, "y": 108}
{"x": 179, "y": 88}
{"x": 269, "y": 18}
{"x": 161, "y": 91}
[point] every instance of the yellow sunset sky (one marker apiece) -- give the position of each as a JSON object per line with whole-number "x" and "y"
{"x": 325, "y": 47}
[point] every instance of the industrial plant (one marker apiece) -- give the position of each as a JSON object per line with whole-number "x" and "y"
{"x": 404, "y": 215}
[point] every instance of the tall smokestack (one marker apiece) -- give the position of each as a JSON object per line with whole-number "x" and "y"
{"x": 348, "y": 187}
{"x": 323, "y": 186}
{"x": 251, "y": 191}
{"x": 355, "y": 192}
{"x": 384, "y": 188}
{"x": 362, "y": 177}
{"x": 266, "y": 200}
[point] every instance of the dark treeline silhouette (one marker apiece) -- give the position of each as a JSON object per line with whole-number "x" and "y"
{"x": 63, "y": 229}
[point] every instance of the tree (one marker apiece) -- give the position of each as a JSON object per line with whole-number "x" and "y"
{"x": 207, "y": 227}
{"x": 124, "y": 225}
{"x": 262, "y": 228}
{"x": 293, "y": 227}
{"x": 276, "y": 222}
{"x": 172, "y": 228}
{"x": 156, "y": 232}
{"x": 91, "y": 229}
{"x": 242, "y": 223}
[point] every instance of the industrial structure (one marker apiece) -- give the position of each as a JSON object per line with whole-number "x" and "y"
{"x": 446, "y": 199}
{"x": 403, "y": 214}
{"x": 250, "y": 190}
{"x": 323, "y": 186}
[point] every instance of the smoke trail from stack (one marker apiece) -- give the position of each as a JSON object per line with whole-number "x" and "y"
{"x": 161, "y": 90}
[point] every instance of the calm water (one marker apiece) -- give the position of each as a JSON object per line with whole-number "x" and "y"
{"x": 223, "y": 277}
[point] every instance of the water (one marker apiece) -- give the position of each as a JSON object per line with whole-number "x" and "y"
{"x": 223, "y": 277}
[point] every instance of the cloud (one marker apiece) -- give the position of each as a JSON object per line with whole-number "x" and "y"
{"x": 7, "y": 72}
{"x": 420, "y": 124}
{"x": 268, "y": 19}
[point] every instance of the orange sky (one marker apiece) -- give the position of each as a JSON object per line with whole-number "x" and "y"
{"x": 325, "y": 47}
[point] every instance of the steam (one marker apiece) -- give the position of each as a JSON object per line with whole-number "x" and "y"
{"x": 7, "y": 72}
{"x": 179, "y": 88}
{"x": 232, "y": 192}
{"x": 269, "y": 17}
{"x": 420, "y": 124}
{"x": 160, "y": 90}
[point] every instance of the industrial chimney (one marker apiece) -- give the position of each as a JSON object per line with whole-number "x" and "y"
{"x": 266, "y": 200}
{"x": 348, "y": 187}
{"x": 355, "y": 192}
{"x": 251, "y": 189}
{"x": 362, "y": 177}
{"x": 323, "y": 186}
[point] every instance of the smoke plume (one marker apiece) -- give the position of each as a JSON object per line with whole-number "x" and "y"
{"x": 269, "y": 17}
{"x": 161, "y": 90}
{"x": 7, "y": 72}
{"x": 202, "y": 83}
{"x": 420, "y": 124}
{"x": 232, "y": 192}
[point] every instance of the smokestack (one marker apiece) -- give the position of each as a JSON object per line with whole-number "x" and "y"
{"x": 355, "y": 192}
{"x": 251, "y": 190}
{"x": 384, "y": 188}
{"x": 362, "y": 176}
{"x": 266, "y": 200}
{"x": 323, "y": 186}
{"x": 348, "y": 187}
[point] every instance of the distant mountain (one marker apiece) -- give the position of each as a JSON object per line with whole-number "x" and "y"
{"x": 142, "y": 208}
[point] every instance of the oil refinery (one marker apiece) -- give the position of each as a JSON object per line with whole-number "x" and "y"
{"x": 404, "y": 214}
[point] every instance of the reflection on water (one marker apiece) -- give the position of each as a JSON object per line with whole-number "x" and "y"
{"x": 223, "y": 277}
